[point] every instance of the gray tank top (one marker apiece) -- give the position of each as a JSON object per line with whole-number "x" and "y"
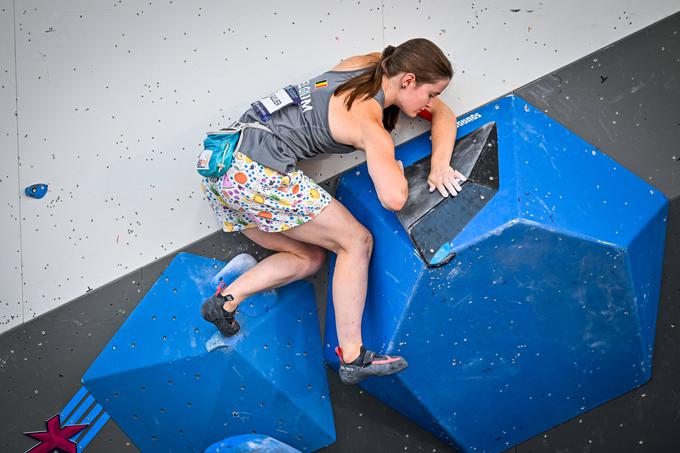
{"x": 299, "y": 131}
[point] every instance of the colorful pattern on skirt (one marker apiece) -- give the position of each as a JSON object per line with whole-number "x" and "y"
{"x": 250, "y": 195}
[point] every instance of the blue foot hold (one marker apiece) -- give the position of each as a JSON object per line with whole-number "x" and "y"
{"x": 236, "y": 266}
{"x": 246, "y": 443}
{"x": 252, "y": 307}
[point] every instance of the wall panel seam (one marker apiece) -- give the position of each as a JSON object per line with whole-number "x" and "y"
{"x": 382, "y": 25}
{"x": 18, "y": 192}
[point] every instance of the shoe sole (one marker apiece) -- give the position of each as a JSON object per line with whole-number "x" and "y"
{"x": 351, "y": 375}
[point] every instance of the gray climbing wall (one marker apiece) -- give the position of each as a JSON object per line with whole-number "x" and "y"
{"x": 622, "y": 100}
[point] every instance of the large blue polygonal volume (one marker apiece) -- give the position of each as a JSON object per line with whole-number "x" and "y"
{"x": 164, "y": 389}
{"x": 539, "y": 306}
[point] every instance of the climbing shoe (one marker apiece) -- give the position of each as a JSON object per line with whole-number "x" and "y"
{"x": 213, "y": 311}
{"x": 368, "y": 364}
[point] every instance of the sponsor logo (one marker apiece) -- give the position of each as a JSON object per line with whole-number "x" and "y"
{"x": 56, "y": 437}
{"x": 468, "y": 119}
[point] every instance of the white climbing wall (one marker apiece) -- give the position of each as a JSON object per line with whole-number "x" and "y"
{"x": 10, "y": 240}
{"x": 114, "y": 97}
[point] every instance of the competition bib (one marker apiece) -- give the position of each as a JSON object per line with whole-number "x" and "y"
{"x": 266, "y": 107}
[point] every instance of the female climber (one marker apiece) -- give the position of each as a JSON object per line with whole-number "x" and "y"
{"x": 263, "y": 195}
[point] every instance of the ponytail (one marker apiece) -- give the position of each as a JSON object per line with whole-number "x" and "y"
{"x": 418, "y": 56}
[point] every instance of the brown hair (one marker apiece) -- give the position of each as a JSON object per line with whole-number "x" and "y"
{"x": 418, "y": 56}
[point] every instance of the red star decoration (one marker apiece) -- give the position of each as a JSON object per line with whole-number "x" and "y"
{"x": 56, "y": 437}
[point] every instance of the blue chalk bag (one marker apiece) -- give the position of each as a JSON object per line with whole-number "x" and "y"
{"x": 219, "y": 148}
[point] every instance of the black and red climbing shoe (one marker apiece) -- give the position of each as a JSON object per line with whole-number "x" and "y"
{"x": 213, "y": 311}
{"x": 368, "y": 364}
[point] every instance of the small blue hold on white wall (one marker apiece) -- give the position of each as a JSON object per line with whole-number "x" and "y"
{"x": 36, "y": 190}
